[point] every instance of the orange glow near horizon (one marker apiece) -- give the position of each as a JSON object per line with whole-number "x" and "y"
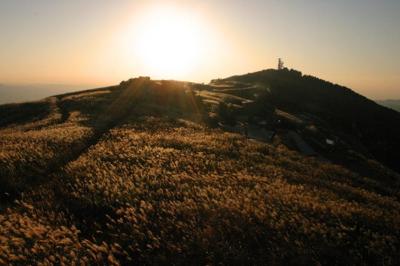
{"x": 101, "y": 43}
{"x": 169, "y": 41}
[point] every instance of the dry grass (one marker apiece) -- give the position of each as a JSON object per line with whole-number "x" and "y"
{"x": 156, "y": 190}
{"x": 172, "y": 192}
{"x": 29, "y": 237}
{"x": 26, "y": 154}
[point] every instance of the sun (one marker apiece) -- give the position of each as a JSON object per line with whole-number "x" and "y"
{"x": 168, "y": 42}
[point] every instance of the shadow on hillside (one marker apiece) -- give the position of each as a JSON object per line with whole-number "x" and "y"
{"x": 15, "y": 114}
{"x": 96, "y": 111}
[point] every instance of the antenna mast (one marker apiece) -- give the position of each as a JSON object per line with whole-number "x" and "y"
{"x": 280, "y": 64}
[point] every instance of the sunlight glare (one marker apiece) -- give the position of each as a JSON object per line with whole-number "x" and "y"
{"x": 168, "y": 42}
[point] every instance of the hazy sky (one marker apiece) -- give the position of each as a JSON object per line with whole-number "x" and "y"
{"x": 351, "y": 42}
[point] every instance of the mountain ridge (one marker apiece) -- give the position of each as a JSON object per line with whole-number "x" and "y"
{"x": 390, "y": 103}
{"x": 340, "y": 106}
{"x": 297, "y": 104}
{"x": 139, "y": 172}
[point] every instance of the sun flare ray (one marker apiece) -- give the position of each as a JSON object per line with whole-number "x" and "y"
{"x": 167, "y": 42}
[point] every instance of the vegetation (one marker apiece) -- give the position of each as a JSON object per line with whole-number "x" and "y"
{"x": 29, "y": 151}
{"x": 361, "y": 120}
{"x": 147, "y": 181}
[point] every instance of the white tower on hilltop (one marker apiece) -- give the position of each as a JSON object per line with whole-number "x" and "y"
{"x": 280, "y": 64}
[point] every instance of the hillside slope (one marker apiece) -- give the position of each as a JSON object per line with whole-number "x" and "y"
{"x": 146, "y": 173}
{"x": 359, "y": 121}
{"x": 393, "y": 104}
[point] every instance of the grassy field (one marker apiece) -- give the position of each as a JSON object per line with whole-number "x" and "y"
{"x": 120, "y": 180}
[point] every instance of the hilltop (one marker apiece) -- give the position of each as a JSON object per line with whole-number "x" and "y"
{"x": 364, "y": 125}
{"x": 271, "y": 167}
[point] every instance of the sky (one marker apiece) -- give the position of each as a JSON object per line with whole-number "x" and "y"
{"x": 354, "y": 43}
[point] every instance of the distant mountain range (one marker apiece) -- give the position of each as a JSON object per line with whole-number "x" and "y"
{"x": 393, "y": 104}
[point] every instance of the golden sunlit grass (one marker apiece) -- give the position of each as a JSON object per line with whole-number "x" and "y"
{"x": 28, "y": 236}
{"x": 27, "y": 151}
{"x": 163, "y": 190}
{"x": 217, "y": 196}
